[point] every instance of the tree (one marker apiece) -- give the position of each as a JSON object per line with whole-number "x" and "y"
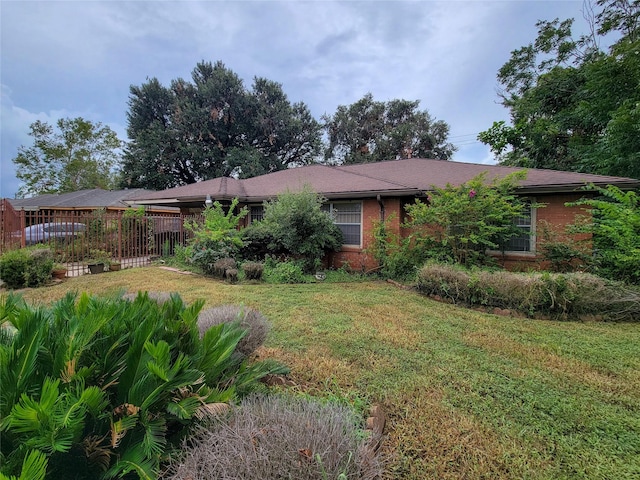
{"x": 370, "y": 131}
{"x": 212, "y": 127}
{"x": 573, "y": 105}
{"x": 80, "y": 155}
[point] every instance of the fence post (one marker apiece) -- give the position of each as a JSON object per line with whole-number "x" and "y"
{"x": 120, "y": 236}
{"x": 23, "y": 224}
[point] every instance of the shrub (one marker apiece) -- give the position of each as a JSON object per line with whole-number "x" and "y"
{"x": 562, "y": 253}
{"x": 252, "y": 321}
{"x": 221, "y": 266}
{"x": 259, "y": 242}
{"x": 298, "y": 226}
{"x": 231, "y": 275}
{"x": 615, "y": 226}
{"x": 253, "y": 270}
{"x": 284, "y": 272}
{"x": 568, "y": 295}
{"x": 106, "y": 388}
{"x": 467, "y": 221}
{"x": 26, "y": 267}
{"x": 217, "y": 236}
{"x": 279, "y": 437}
{"x": 398, "y": 258}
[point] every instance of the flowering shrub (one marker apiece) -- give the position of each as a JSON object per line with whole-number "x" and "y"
{"x": 465, "y": 221}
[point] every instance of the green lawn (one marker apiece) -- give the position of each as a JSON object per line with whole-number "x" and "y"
{"x": 468, "y": 395}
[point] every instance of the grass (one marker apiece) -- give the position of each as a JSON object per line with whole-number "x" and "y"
{"x": 468, "y": 395}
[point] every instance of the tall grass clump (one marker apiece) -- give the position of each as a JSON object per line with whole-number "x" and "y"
{"x": 560, "y": 295}
{"x": 280, "y": 437}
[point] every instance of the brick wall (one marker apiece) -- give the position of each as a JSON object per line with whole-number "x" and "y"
{"x": 554, "y": 213}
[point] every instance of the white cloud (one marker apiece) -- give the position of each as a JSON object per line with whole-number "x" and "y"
{"x": 79, "y": 58}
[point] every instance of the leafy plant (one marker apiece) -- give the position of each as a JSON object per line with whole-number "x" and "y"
{"x": 615, "y": 226}
{"x": 299, "y": 227}
{"x": 284, "y": 272}
{"x": 217, "y": 236}
{"x": 561, "y": 252}
{"x": 398, "y": 258}
{"x": 26, "y": 267}
{"x": 105, "y": 387}
{"x": 468, "y": 220}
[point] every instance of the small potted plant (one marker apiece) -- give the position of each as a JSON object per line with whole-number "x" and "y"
{"x": 98, "y": 261}
{"x": 59, "y": 271}
{"x": 115, "y": 266}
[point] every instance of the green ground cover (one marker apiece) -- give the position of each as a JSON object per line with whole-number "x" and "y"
{"x": 467, "y": 394}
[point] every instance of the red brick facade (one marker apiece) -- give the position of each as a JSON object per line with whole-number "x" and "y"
{"x": 552, "y": 212}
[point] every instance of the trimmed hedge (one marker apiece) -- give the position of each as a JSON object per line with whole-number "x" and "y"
{"x": 559, "y": 295}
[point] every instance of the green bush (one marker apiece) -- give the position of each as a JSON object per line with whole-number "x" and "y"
{"x": 280, "y": 437}
{"x": 398, "y": 258}
{"x": 615, "y": 226}
{"x": 284, "y": 272}
{"x": 26, "y": 267}
{"x": 216, "y": 237}
{"x": 107, "y": 387}
{"x": 465, "y": 222}
{"x": 299, "y": 227}
{"x": 560, "y": 295}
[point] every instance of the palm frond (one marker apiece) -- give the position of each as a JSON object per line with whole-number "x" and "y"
{"x": 34, "y": 466}
{"x": 133, "y": 460}
{"x": 154, "y": 441}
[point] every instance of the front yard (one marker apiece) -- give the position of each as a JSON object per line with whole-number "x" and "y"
{"x": 467, "y": 395}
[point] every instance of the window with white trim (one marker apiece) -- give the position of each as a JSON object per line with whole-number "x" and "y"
{"x": 348, "y": 217}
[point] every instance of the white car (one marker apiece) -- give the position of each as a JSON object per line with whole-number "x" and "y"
{"x": 43, "y": 232}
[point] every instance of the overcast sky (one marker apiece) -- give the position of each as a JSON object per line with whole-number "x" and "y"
{"x": 78, "y": 58}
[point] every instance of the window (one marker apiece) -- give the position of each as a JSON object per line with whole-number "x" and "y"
{"x": 348, "y": 217}
{"x": 524, "y": 241}
{"x": 256, "y": 212}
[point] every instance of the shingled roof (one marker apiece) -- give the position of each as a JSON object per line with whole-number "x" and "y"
{"x": 393, "y": 178}
{"x": 81, "y": 200}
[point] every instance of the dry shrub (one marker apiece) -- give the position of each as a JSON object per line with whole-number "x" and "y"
{"x": 256, "y": 324}
{"x": 158, "y": 297}
{"x": 221, "y": 266}
{"x": 231, "y": 275}
{"x": 445, "y": 281}
{"x": 279, "y": 437}
{"x": 253, "y": 270}
{"x": 562, "y": 295}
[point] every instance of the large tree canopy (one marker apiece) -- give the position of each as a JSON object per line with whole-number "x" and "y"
{"x": 370, "y": 131}
{"x": 573, "y": 105}
{"x": 80, "y": 155}
{"x": 213, "y": 126}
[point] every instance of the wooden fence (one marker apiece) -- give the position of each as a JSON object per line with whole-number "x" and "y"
{"x": 129, "y": 238}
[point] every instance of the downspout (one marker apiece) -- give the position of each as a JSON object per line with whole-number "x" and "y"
{"x": 381, "y": 203}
